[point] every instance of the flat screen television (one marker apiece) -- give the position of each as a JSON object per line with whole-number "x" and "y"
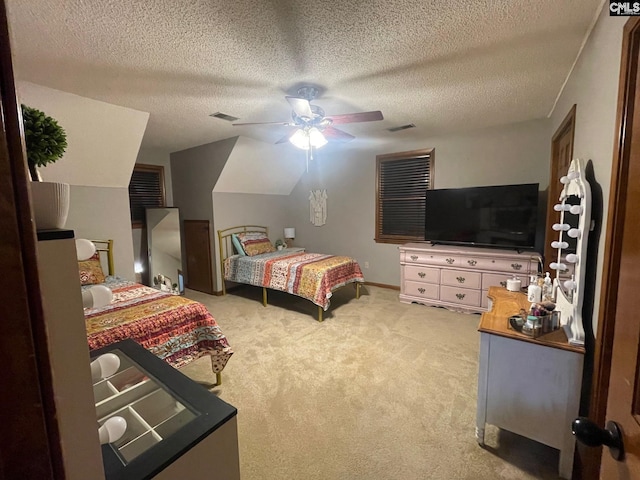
{"x": 500, "y": 216}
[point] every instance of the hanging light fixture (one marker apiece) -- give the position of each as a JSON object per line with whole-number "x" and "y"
{"x": 300, "y": 139}
{"x": 308, "y": 137}
{"x": 316, "y": 138}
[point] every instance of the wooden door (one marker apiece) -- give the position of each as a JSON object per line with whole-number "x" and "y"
{"x": 197, "y": 245}
{"x": 621, "y": 278}
{"x": 561, "y": 155}
{"x": 30, "y": 445}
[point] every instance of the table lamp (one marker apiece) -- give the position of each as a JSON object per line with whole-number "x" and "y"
{"x": 289, "y": 235}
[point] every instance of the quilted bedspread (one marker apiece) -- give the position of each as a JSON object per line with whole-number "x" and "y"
{"x": 313, "y": 276}
{"x": 172, "y": 327}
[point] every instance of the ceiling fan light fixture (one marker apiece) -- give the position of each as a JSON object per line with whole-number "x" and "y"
{"x": 316, "y": 138}
{"x": 305, "y": 138}
{"x": 300, "y": 139}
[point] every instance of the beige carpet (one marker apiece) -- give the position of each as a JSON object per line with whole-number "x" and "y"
{"x": 379, "y": 390}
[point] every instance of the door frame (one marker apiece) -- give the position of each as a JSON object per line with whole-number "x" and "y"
{"x": 568, "y": 125}
{"x": 31, "y": 448}
{"x": 206, "y": 223}
{"x": 613, "y": 240}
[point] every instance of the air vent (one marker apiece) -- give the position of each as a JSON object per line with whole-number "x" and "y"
{"x": 224, "y": 116}
{"x": 401, "y": 127}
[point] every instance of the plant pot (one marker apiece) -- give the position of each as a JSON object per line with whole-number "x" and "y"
{"x": 50, "y": 204}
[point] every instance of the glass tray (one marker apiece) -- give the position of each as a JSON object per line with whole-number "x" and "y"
{"x": 152, "y": 413}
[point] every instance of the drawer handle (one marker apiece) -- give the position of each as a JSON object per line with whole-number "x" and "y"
{"x": 460, "y": 279}
{"x": 472, "y": 262}
{"x": 460, "y": 296}
{"x": 516, "y": 266}
{"x": 421, "y": 290}
{"x": 503, "y": 284}
{"x": 422, "y": 274}
{"x": 414, "y": 257}
{"x": 450, "y": 260}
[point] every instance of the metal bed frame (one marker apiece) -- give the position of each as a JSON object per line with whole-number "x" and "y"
{"x": 226, "y": 250}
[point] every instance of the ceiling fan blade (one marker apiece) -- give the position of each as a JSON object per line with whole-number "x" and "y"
{"x": 300, "y": 106}
{"x": 286, "y": 138}
{"x": 336, "y": 135}
{"x": 262, "y": 123}
{"x": 356, "y": 117}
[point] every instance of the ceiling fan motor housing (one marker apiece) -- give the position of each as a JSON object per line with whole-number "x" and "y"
{"x": 308, "y": 93}
{"x": 318, "y": 120}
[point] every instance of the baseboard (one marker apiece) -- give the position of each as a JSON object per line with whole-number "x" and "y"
{"x": 382, "y": 285}
{"x": 218, "y": 293}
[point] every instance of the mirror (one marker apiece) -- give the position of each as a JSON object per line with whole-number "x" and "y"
{"x": 164, "y": 246}
{"x": 571, "y": 243}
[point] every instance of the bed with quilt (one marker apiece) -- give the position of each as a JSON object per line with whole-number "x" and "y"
{"x": 248, "y": 257}
{"x": 172, "y": 327}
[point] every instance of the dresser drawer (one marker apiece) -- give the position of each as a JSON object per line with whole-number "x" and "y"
{"x": 515, "y": 265}
{"x": 435, "y": 259}
{"x": 461, "y": 278}
{"x": 462, "y": 296}
{"x": 500, "y": 279}
{"x": 422, "y": 274}
{"x": 424, "y": 290}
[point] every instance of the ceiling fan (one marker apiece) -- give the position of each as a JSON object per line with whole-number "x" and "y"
{"x": 314, "y": 128}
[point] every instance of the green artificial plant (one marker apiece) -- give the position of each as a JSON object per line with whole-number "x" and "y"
{"x": 45, "y": 139}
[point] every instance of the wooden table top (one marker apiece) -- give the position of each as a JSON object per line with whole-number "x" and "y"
{"x": 506, "y": 304}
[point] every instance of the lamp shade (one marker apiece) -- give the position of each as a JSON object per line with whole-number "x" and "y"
{"x": 316, "y": 138}
{"x": 289, "y": 232}
{"x": 306, "y": 137}
{"x": 300, "y": 139}
{"x": 85, "y": 249}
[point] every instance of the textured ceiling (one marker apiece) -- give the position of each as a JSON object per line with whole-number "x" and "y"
{"x": 445, "y": 66}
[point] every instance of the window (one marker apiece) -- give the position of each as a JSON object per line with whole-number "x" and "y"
{"x": 402, "y": 180}
{"x": 146, "y": 190}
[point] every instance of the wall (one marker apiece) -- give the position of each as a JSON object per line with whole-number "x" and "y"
{"x": 102, "y": 213}
{"x": 261, "y": 168}
{"x": 103, "y": 142}
{"x": 593, "y": 88}
{"x": 194, "y": 173}
{"x": 517, "y": 153}
{"x": 155, "y": 156}
{"x": 236, "y": 181}
{"x": 233, "y": 209}
{"x": 103, "y": 139}
{"x": 151, "y": 156}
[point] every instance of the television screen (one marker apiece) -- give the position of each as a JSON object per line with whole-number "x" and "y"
{"x": 501, "y": 216}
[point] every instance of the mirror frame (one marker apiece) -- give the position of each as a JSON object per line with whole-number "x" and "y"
{"x": 569, "y": 296}
{"x": 175, "y": 276}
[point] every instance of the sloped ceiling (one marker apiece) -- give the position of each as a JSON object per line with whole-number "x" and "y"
{"x": 258, "y": 167}
{"x": 444, "y": 66}
{"x": 103, "y": 139}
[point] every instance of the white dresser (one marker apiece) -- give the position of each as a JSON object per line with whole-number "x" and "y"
{"x": 459, "y": 278}
{"x": 528, "y": 386}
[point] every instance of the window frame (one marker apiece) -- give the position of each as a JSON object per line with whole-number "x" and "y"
{"x": 381, "y": 237}
{"x": 159, "y": 170}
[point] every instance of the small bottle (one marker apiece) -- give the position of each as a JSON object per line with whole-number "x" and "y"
{"x": 547, "y": 288}
{"x": 534, "y": 291}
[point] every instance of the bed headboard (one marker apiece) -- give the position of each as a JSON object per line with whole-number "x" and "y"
{"x": 224, "y": 238}
{"x": 226, "y": 246}
{"x": 106, "y": 246}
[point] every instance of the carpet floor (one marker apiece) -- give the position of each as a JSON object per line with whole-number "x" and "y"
{"x": 379, "y": 390}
